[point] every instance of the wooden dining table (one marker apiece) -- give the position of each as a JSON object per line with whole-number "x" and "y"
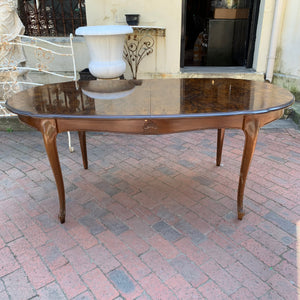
{"x": 152, "y": 106}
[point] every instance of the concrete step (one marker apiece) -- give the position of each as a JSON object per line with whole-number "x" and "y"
{"x": 295, "y": 113}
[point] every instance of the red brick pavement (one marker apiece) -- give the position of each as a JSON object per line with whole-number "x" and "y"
{"x": 152, "y": 218}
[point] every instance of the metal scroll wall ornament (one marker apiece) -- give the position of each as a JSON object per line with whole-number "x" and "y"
{"x": 136, "y": 48}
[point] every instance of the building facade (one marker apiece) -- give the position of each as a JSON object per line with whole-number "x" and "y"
{"x": 263, "y": 43}
{"x": 169, "y": 14}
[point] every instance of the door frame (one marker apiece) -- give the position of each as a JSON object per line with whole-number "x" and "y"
{"x": 183, "y": 22}
{"x": 254, "y": 11}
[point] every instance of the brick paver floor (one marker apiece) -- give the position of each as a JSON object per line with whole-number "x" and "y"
{"x": 152, "y": 218}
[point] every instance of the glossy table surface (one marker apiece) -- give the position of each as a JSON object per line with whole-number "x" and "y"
{"x": 157, "y": 106}
{"x": 150, "y": 98}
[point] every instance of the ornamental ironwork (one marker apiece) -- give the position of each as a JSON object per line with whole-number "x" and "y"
{"x": 52, "y": 17}
{"x": 136, "y": 48}
{"x": 139, "y": 45}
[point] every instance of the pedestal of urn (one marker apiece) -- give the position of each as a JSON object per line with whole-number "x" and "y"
{"x": 105, "y": 44}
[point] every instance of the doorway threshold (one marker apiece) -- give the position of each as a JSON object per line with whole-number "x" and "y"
{"x": 221, "y": 72}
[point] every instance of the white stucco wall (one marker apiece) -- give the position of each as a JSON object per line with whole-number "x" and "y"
{"x": 288, "y": 50}
{"x": 263, "y": 35}
{"x": 287, "y": 63}
{"x": 166, "y": 13}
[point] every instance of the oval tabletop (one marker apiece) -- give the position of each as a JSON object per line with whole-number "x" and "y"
{"x": 152, "y": 98}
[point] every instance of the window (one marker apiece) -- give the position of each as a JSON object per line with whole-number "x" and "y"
{"x": 51, "y": 17}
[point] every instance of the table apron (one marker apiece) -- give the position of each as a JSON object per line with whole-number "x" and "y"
{"x": 153, "y": 125}
{"x": 150, "y": 125}
{"x": 163, "y": 126}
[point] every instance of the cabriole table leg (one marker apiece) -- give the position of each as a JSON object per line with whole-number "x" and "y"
{"x": 251, "y": 129}
{"x": 49, "y": 131}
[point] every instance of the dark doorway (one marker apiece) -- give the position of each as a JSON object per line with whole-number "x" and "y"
{"x": 218, "y": 32}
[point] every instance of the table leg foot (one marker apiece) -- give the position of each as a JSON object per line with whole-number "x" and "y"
{"x": 241, "y": 214}
{"x": 62, "y": 217}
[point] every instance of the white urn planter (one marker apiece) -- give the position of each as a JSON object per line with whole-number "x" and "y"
{"x": 105, "y": 44}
